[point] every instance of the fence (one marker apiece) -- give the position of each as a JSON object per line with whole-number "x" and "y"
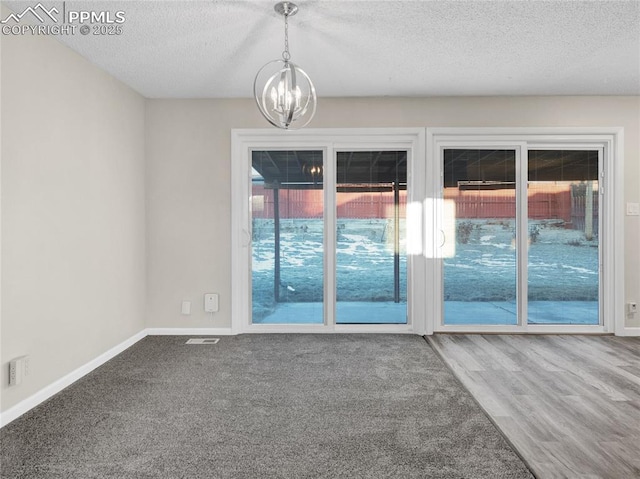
{"x": 563, "y": 202}
{"x": 310, "y": 204}
{"x": 543, "y": 203}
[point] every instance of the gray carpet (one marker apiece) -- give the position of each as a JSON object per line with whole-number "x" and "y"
{"x": 262, "y": 406}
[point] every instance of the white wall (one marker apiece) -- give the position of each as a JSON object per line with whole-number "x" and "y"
{"x": 188, "y": 207}
{"x": 188, "y": 178}
{"x": 2, "y": 12}
{"x": 73, "y": 211}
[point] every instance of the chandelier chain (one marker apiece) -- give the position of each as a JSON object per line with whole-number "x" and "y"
{"x": 285, "y": 54}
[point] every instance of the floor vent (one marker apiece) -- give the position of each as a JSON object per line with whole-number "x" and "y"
{"x": 203, "y": 341}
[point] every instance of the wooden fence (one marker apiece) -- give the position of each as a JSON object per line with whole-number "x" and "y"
{"x": 542, "y": 204}
{"x": 310, "y": 204}
{"x": 562, "y": 202}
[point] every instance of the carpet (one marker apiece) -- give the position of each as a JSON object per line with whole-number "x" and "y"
{"x": 262, "y": 406}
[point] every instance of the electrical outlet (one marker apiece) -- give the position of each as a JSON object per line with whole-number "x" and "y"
{"x": 13, "y": 373}
{"x": 632, "y": 307}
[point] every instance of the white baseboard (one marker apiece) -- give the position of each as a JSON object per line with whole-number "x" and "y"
{"x": 57, "y": 386}
{"x": 189, "y": 332}
{"x": 45, "y": 393}
{"x": 629, "y": 332}
{"x": 65, "y": 381}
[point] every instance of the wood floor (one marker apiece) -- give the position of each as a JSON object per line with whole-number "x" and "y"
{"x": 570, "y": 405}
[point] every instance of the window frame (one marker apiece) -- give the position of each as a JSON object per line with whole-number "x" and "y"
{"x": 330, "y": 141}
{"x": 609, "y": 141}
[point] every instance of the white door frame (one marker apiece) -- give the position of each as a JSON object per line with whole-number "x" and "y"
{"x": 243, "y": 141}
{"x": 425, "y": 281}
{"x": 609, "y": 141}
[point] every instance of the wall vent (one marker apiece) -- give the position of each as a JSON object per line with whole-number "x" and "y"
{"x": 203, "y": 341}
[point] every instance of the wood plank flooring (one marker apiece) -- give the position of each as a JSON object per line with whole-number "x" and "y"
{"x": 570, "y": 405}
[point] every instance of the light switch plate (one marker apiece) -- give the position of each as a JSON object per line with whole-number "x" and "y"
{"x": 633, "y": 209}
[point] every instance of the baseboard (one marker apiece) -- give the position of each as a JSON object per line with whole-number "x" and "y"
{"x": 57, "y": 386}
{"x": 189, "y": 332}
{"x": 629, "y": 332}
{"x": 45, "y": 393}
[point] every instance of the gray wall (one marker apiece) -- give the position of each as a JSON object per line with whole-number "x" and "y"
{"x": 188, "y": 178}
{"x": 73, "y": 211}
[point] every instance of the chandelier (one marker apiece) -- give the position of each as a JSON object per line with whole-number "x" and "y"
{"x": 283, "y": 91}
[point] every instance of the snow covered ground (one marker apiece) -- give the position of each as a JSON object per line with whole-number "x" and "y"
{"x": 479, "y": 278}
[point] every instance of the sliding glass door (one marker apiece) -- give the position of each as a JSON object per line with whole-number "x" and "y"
{"x": 480, "y": 255}
{"x": 426, "y": 230}
{"x": 302, "y": 275}
{"x": 371, "y": 262}
{"x": 287, "y": 240}
{"x": 564, "y": 237}
{"x": 521, "y": 230}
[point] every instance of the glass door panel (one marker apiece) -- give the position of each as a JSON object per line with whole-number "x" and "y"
{"x": 371, "y": 264}
{"x": 563, "y": 262}
{"x": 287, "y": 255}
{"x": 479, "y": 208}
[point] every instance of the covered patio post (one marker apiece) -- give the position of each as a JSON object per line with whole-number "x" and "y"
{"x": 396, "y": 240}
{"x": 276, "y": 244}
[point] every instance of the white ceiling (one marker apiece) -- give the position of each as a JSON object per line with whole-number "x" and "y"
{"x": 213, "y": 49}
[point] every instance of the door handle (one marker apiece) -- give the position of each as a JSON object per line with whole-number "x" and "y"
{"x": 246, "y": 238}
{"x": 444, "y": 238}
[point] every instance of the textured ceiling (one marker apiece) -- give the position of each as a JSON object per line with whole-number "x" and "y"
{"x": 212, "y": 49}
